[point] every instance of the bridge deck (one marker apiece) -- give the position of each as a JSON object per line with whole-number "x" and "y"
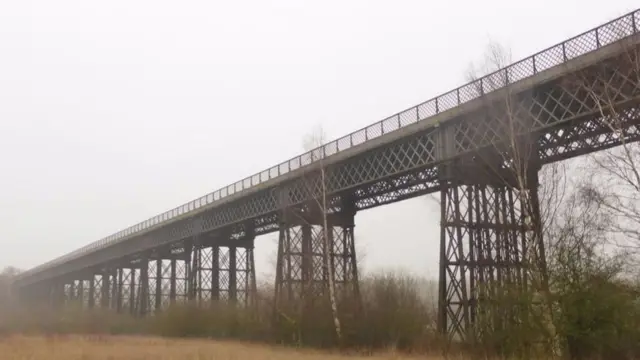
{"x": 254, "y": 198}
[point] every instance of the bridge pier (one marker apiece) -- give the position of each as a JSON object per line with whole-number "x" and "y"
{"x": 113, "y": 288}
{"x": 71, "y": 291}
{"x": 161, "y": 279}
{"x": 105, "y": 286}
{"x": 82, "y": 292}
{"x": 126, "y": 289}
{"x": 92, "y": 292}
{"x": 224, "y": 268}
{"x": 57, "y": 294}
{"x": 490, "y": 232}
{"x": 141, "y": 301}
{"x": 305, "y": 258}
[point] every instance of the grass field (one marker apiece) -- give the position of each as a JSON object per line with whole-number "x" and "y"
{"x": 139, "y": 348}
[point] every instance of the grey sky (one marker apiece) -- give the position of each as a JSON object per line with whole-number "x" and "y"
{"x": 112, "y": 112}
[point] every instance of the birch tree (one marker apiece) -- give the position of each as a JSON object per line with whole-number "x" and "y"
{"x": 516, "y": 163}
{"x": 313, "y": 142}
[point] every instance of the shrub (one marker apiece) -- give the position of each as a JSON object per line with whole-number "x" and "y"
{"x": 393, "y": 312}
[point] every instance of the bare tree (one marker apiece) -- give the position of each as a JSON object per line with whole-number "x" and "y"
{"x": 615, "y": 180}
{"x": 313, "y": 143}
{"x": 514, "y": 162}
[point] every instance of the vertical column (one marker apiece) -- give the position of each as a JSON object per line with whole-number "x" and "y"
{"x": 143, "y": 298}
{"x": 342, "y": 255}
{"x": 172, "y": 282}
{"x": 246, "y": 290}
{"x": 307, "y": 281}
{"x": 92, "y": 289}
{"x": 233, "y": 283}
{"x": 253, "y": 285}
{"x": 184, "y": 272}
{"x": 113, "y": 301}
{"x": 132, "y": 291}
{"x": 453, "y": 297}
{"x": 80, "y": 293}
{"x": 72, "y": 291}
{"x": 215, "y": 274}
{"x": 120, "y": 291}
{"x": 289, "y": 269}
{"x": 159, "y": 280}
{"x": 105, "y": 297}
{"x": 196, "y": 273}
{"x": 187, "y": 279}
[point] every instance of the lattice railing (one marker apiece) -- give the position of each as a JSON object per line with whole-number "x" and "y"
{"x": 589, "y": 41}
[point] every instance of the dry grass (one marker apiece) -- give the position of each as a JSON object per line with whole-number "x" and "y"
{"x": 132, "y": 348}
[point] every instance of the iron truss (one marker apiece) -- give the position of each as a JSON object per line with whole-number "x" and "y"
{"x": 399, "y": 170}
{"x": 592, "y": 104}
{"x": 590, "y": 46}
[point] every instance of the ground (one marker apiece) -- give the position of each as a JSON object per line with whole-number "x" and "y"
{"x": 140, "y": 348}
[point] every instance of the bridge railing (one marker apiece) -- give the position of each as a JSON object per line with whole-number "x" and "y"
{"x": 586, "y": 42}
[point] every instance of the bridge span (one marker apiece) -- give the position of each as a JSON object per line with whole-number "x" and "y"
{"x": 479, "y": 145}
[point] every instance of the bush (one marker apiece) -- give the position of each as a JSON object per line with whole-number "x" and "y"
{"x": 393, "y": 313}
{"x": 597, "y": 310}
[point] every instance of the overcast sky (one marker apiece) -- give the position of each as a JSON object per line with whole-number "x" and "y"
{"x": 114, "y": 111}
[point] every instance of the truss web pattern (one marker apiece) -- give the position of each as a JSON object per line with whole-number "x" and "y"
{"x": 225, "y": 274}
{"x": 245, "y": 277}
{"x": 127, "y": 285}
{"x": 208, "y": 274}
{"x": 160, "y": 284}
{"x": 113, "y": 289}
{"x": 305, "y": 257}
{"x": 95, "y": 291}
{"x": 343, "y": 260}
{"x": 485, "y": 238}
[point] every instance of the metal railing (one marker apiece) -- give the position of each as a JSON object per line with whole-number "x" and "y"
{"x": 586, "y": 42}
